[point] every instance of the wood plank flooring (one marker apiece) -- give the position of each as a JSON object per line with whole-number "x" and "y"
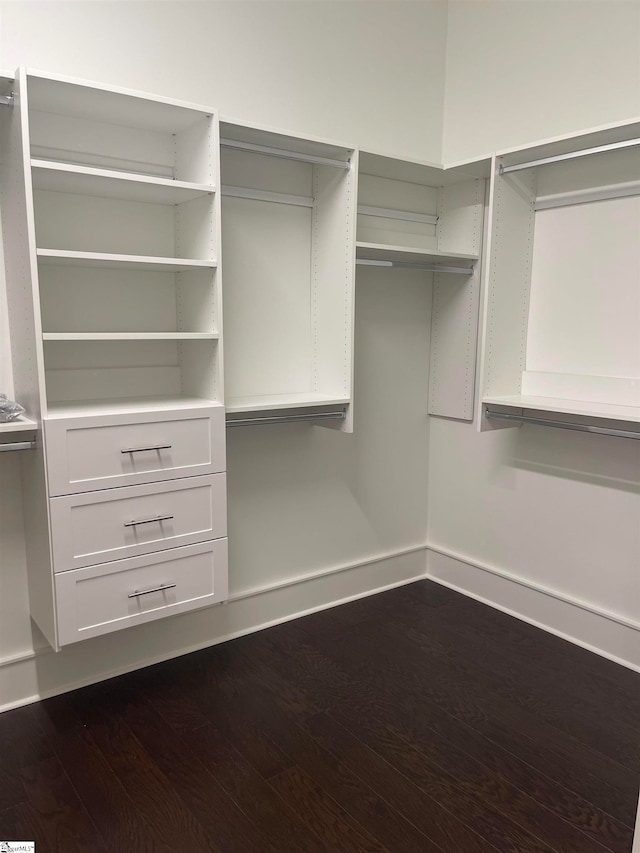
{"x": 414, "y": 720}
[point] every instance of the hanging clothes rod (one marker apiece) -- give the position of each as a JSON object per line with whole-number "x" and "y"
{"x": 623, "y": 190}
{"x": 404, "y": 215}
{"x": 287, "y": 419}
{"x": 405, "y": 265}
{"x": 17, "y": 445}
{"x": 284, "y": 154}
{"x": 526, "y": 419}
{"x": 571, "y": 155}
{"x": 267, "y": 195}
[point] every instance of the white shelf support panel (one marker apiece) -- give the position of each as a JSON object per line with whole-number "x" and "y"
{"x": 490, "y": 414}
{"x": 266, "y": 195}
{"x": 402, "y": 215}
{"x": 301, "y": 156}
{"x": 570, "y": 155}
{"x": 368, "y": 262}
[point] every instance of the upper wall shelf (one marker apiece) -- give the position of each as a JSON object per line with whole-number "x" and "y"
{"x": 569, "y": 147}
{"x": 84, "y": 180}
{"x": 110, "y": 104}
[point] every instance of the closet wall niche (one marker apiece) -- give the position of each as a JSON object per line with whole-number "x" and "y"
{"x": 562, "y": 316}
{"x": 428, "y": 218}
{"x": 288, "y": 247}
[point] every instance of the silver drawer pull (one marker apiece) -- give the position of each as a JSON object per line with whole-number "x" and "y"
{"x": 160, "y": 588}
{"x": 155, "y": 518}
{"x": 145, "y": 449}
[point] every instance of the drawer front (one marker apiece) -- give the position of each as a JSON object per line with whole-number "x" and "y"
{"x": 104, "y": 451}
{"x": 97, "y": 527}
{"x": 113, "y": 596}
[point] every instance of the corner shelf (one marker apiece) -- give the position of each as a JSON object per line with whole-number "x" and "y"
{"x": 64, "y": 257}
{"x": 84, "y": 180}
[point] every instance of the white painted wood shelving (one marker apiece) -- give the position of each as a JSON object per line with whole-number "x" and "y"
{"x": 288, "y": 244}
{"x": 562, "y": 311}
{"x": 425, "y": 218}
{"x": 111, "y": 220}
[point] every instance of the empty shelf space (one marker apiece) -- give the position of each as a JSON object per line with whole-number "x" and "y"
{"x": 129, "y": 336}
{"x": 136, "y": 405}
{"x": 67, "y": 258}
{"x": 403, "y": 254}
{"x": 557, "y": 405}
{"x": 84, "y": 180}
{"x": 282, "y": 401}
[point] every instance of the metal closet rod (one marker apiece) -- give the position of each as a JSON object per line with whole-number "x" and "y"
{"x": 571, "y": 155}
{"x": 526, "y": 419}
{"x": 287, "y": 419}
{"x": 266, "y": 195}
{"x": 17, "y": 445}
{"x": 404, "y": 215}
{"x": 284, "y": 154}
{"x": 406, "y": 265}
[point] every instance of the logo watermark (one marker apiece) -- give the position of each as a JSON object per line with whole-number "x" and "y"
{"x": 17, "y": 846}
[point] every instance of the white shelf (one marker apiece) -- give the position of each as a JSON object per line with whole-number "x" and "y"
{"x": 63, "y": 257}
{"x": 129, "y": 336}
{"x": 22, "y": 424}
{"x": 274, "y": 402}
{"x": 557, "y": 405}
{"x": 403, "y": 254}
{"x": 84, "y": 180}
{"x": 70, "y": 96}
{"x": 137, "y": 405}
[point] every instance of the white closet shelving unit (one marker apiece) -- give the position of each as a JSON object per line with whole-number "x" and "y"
{"x": 425, "y": 217}
{"x": 111, "y": 222}
{"x": 288, "y": 243}
{"x": 562, "y": 313}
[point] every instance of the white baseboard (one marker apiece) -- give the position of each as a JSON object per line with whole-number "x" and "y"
{"x": 608, "y": 634}
{"x": 37, "y": 674}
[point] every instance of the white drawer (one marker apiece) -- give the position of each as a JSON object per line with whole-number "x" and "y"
{"x": 116, "y": 595}
{"x": 96, "y": 527}
{"x": 103, "y": 451}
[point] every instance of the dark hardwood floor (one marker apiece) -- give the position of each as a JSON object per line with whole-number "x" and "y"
{"x": 415, "y": 720}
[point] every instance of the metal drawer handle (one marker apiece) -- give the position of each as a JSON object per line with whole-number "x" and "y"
{"x": 145, "y": 449}
{"x": 155, "y": 518}
{"x": 160, "y": 588}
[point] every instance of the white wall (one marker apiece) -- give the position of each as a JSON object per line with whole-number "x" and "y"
{"x": 521, "y": 70}
{"x": 301, "y": 499}
{"x": 546, "y": 522}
